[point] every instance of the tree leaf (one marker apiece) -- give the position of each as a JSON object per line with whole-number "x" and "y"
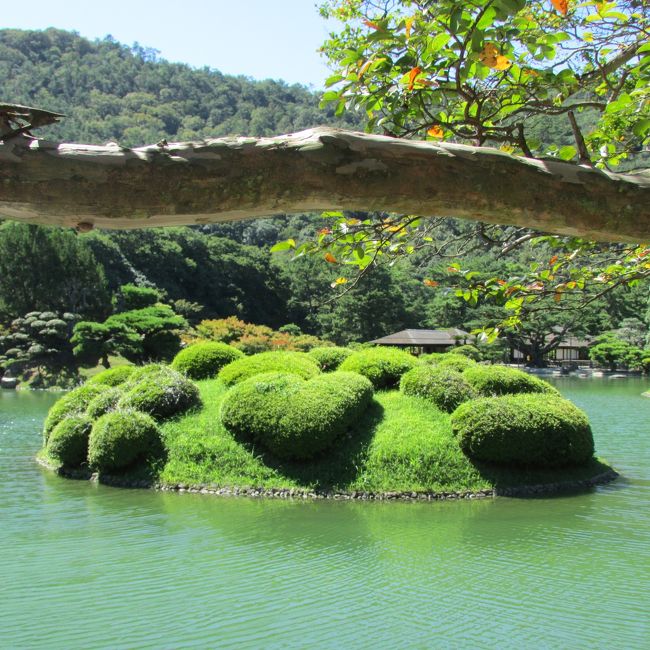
{"x": 413, "y": 73}
{"x": 330, "y": 258}
{"x": 436, "y": 132}
{"x": 561, "y": 5}
{"x": 283, "y": 246}
{"x": 408, "y": 24}
{"x": 489, "y": 54}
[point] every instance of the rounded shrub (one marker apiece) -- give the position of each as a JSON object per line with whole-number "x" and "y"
{"x": 121, "y": 438}
{"x": 469, "y": 351}
{"x": 293, "y": 417}
{"x": 432, "y": 358}
{"x": 445, "y": 387}
{"x": 294, "y": 363}
{"x": 329, "y": 359}
{"x": 104, "y": 402}
{"x": 159, "y": 391}
{"x": 527, "y": 429}
{"x": 112, "y": 376}
{"x": 205, "y": 360}
{"x": 73, "y": 403}
{"x": 501, "y": 380}
{"x": 68, "y": 441}
{"x": 456, "y": 362}
{"x": 382, "y": 366}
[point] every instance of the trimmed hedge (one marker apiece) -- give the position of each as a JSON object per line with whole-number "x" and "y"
{"x": 160, "y": 392}
{"x": 469, "y": 351}
{"x": 73, "y": 403}
{"x": 205, "y": 360}
{"x": 501, "y": 380}
{"x": 105, "y": 402}
{"x": 382, "y": 366}
{"x": 294, "y": 363}
{"x": 68, "y": 441}
{"x": 112, "y": 376}
{"x": 121, "y": 438}
{"x": 293, "y": 417}
{"x": 527, "y": 429}
{"x": 445, "y": 387}
{"x": 329, "y": 359}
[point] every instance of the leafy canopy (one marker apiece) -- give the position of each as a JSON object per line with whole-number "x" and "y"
{"x": 545, "y": 78}
{"x": 487, "y": 71}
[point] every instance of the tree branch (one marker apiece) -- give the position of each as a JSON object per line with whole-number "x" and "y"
{"x": 319, "y": 169}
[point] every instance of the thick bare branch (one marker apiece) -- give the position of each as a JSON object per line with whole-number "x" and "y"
{"x": 319, "y": 169}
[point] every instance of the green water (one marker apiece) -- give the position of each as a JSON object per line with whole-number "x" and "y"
{"x": 87, "y": 566}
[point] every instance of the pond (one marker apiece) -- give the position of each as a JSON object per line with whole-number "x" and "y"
{"x": 84, "y": 565}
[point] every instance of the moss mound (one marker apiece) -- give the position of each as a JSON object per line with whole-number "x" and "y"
{"x": 382, "y": 366}
{"x": 445, "y": 387}
{"x": 501, "y": 380}
{"x": 294, "y": 363}
{"x": 293, "y": 417}
{"x": 205, "y": 360}
{"x": 74, "y": 403}
{"x": 160, "y": 392}
{"x": 121, "y": 438}
{"x": 104, "y": 402}
{"x": 329, "y": 359}
{"x": 528, "y": 429}
{"x": 68, "y": 441}
{"x": 112, "y": 376}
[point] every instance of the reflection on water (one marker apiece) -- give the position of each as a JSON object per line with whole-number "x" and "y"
{"x": 84, "y": 565}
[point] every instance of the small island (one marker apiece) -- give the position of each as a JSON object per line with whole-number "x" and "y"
{"x": 375, "y": 423}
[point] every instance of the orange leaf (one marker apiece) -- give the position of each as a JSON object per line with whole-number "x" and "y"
{"x": 330, "y": 258}
{"x": 436, "y": 132}
{"x": 552, "y": 260}
{"x": 502, "y": 63}
{"x": 452, "y": 269}
{"x": 412, "y": 76}
{"x": 325, "y": 231}
{"x": 561, "y": 5}
{"x": 489, "y": 54}
{"x": 408, "y": 23}
{"x": 372, "y": 25}
{"x": 430, "y": 283}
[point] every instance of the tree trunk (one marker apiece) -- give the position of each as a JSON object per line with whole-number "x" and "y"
{"x": 319, "y": 169}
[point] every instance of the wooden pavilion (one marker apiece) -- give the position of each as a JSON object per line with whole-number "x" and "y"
{"x": 426, "y": 341}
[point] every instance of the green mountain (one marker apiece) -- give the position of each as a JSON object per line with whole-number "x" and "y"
{"x": 112, "y": 92}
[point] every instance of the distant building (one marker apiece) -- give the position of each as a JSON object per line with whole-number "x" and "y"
{"x": 571, "y": 348}
{"x": 426, "y": 341}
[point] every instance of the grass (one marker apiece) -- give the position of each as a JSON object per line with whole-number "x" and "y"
{"x": 402, "y": 444}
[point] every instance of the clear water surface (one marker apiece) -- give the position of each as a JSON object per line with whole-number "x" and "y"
{"x": 88, "y": 566}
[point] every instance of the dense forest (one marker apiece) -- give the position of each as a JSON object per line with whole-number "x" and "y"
{"x": 111, "y": 92}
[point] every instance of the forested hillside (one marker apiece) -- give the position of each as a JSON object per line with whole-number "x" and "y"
{"x": 111, "y": 92}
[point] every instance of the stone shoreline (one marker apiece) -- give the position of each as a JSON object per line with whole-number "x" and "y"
{"x": 524, "y": 491}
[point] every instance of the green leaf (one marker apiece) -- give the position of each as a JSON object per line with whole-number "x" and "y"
{"x": 567, "y": 153}
{"x": 641, "y": 128}
{"x": 283, "y": 246}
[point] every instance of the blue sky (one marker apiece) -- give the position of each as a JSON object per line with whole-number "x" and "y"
{"x": 263, "y": 39}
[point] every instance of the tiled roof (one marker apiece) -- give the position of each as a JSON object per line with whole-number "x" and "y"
{"x": 449, "y": 336}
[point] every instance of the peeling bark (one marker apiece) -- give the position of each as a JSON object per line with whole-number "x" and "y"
{"x": 319, "y": 169}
